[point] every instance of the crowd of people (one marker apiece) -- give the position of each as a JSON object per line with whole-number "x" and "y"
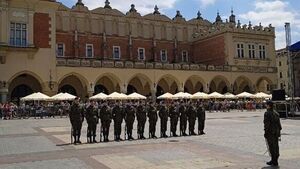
{"x": 43, "y": 109}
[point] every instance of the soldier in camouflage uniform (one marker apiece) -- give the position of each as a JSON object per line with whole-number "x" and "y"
{"x": 129, "y": 119}
{"x": 152, "y": 116}
{"x": 92, "y": 118}
{"x": 76, "y": 119}
{"x": 173, "y": 118}
{"x": 105, "y": 116}
{"x": 183, "y": 119}
{"x": 163, "y": 114}
{"x": 200, "y": 111}
{"x": 118, "y": 115}
{"x": 272, "y": 127}
{"x": 141, "y": 115}
{"x": 191, "y": 114}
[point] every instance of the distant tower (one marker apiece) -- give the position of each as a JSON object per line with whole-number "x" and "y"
{"x": 156, "y": 10}
{"x": 218, "y": 18}
{"x": 79, "y": 2}
{"x": 199, "y": 15}
{"x": 107, "y": 4}
{"x": 232, "y": 17}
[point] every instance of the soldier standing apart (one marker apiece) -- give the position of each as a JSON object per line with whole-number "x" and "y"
{"x": 272, "y": 127}
{"x": 201, "y": 118}
{"x": 174, "y": 119}
{"x": 76, "y": 119}
{"x": 183, "y": 119}
{"x": 92, "y": 121}
{"x": 141, "y": 115}
{"x": 118, "y": 115}
{"x": 105, "y": 116}
{"x": 129, "y": 119}
{"x": 163, "y": 115}
{"x": 191, "y": 113}
{"x": 152, "y": 115}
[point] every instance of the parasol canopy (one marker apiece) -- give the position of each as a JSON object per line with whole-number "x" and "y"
{"x": 117, "y": 96}
{"x": 262, "y": 95}
{"x": 229, "y": 96}
{"x": 136, "y": 96}
{"x": 99, "y": 96}
{"x": 215, "y": 95}
{"x": 62, "y": 96}
{"x": 245, "y": 95}
{"x": 165, "y": 96}
{"x": 36, "y": 97}
{"x": 182, "y": 95}
{"x": 200, "y": 95}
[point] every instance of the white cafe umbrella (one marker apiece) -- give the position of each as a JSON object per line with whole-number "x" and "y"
{"x": 245, "y": 95}
{"x": 229, "y": 96}
{"x": 165, "y": 96}
{"x": 182, "y": 95}
{"x": 36, "y": 97}
{"x": 200, "y": 95}
{"x": 99, "y": 96}
{"x": 63, "y": 96}
{"x": 262, "y": 95}
{"x": 117, "y": 96}
{"x": 215, "y": 95}
{"x": 136, "y": 96}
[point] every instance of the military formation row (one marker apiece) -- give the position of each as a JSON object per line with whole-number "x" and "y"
{"x": 185, "y": 113}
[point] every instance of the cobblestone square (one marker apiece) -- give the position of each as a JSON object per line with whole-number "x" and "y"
{"x": 233, "y": 140}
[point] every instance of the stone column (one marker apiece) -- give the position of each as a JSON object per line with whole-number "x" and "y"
{"x": 153, "y": 94}
{"x": 206, "y": 88}
{"x": 181, "y": 87}
{"x": 124, "y": 88}
{"x": 3, "y": 95}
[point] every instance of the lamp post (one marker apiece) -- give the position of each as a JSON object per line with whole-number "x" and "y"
{"x": 291, "y": 70}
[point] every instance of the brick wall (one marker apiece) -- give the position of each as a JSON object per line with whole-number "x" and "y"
{"x": 210, "y": 51}
{"x": 83, "y": 39}
{"x": 41, "y": 30}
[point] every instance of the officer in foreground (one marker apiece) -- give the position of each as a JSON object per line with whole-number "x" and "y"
{"x": 272, "y": 127}
{"x": 76, "y": 119}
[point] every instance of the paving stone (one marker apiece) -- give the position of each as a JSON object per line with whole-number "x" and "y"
{"x": 21, "y": 145}
{"x": 72, "y": 163}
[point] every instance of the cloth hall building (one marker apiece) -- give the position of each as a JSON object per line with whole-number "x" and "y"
{"x": 48, "y": 47}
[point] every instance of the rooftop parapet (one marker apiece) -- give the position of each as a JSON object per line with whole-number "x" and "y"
{"x": 222, "y": 27}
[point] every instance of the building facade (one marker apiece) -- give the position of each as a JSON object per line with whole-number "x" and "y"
{"x": 48, "y": 47}
{"x": 284, "y": 81}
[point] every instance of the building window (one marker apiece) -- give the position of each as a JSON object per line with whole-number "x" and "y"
{"x": 281, "y": 86}
{"x": 240, "y": 50}
{"x": 89, "y": 51}
{"x": 262, "y": 52}
{"x": 116, "y": 52}
{"x": 163, "y": 55}
{"x": 251, "y": 49}
{"x": 279, "y": 63}
{"x": 141, "y": 53}
{"x": 18, "y": 34}
{"x": 280, "y": 75}
{"x": 60, "y": 50}
{"x": 185, "y": 56}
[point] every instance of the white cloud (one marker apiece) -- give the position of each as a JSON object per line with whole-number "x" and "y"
{"x": 142, "y": 6}
{"x": 205, "y": 3}
{"x": 276, "y": 13}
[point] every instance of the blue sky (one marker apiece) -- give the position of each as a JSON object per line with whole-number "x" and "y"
{"x": 275, "y": 12}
